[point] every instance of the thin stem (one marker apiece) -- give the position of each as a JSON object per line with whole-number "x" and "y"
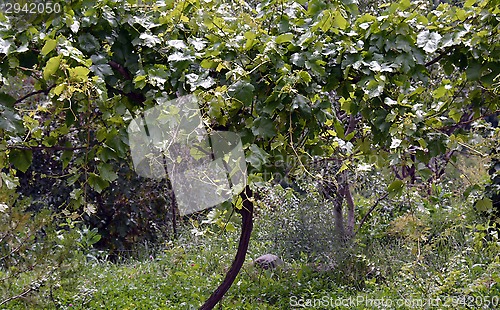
{"x": 370, "y": 211}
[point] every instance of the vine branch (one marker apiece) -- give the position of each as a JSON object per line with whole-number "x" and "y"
{"x": 439, "y": 57}
{"x": 451, "y": 128}
{"x": 370, "y": 211}
{"x": 50, "y": 148}
{"x": 42, "y": 91}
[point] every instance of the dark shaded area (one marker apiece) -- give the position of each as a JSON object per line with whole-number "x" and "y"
{"x": 131, "y": 211}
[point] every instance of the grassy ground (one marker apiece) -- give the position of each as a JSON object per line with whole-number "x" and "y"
{"x": 457, "y": 269}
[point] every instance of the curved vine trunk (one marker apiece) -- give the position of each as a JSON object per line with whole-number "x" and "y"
{"x": 246, "y": 230}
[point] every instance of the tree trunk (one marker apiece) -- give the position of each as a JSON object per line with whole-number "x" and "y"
{"x": 351, "y": 219}
{"x": 246, "y": 230}
{"x": 173, "y": 207}
{"x": 339, "y": 216}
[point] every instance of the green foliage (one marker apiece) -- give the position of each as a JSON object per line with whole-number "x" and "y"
{"x": 397, "y": 88}
{"x": 21, "y": 159}
{"x": 34, "y": 252}
{"x": 131, "y": 212}
{"x": 493, "y": 188}
{"x": 258, "y": 73}
{"x": 295, "y": 225}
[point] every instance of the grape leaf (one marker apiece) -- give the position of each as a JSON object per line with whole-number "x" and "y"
{"x": 21, "y": 159}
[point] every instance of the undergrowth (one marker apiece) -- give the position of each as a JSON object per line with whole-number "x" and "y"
{"x": 413, "y": 252}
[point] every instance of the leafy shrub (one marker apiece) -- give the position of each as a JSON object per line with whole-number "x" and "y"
{"x": 296, "y": 225}
{"x": 34, "y": 251}
{"x": 493, "y": 188}
{"x": 132, "y": 211}
{"x": 301, "y": 227}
